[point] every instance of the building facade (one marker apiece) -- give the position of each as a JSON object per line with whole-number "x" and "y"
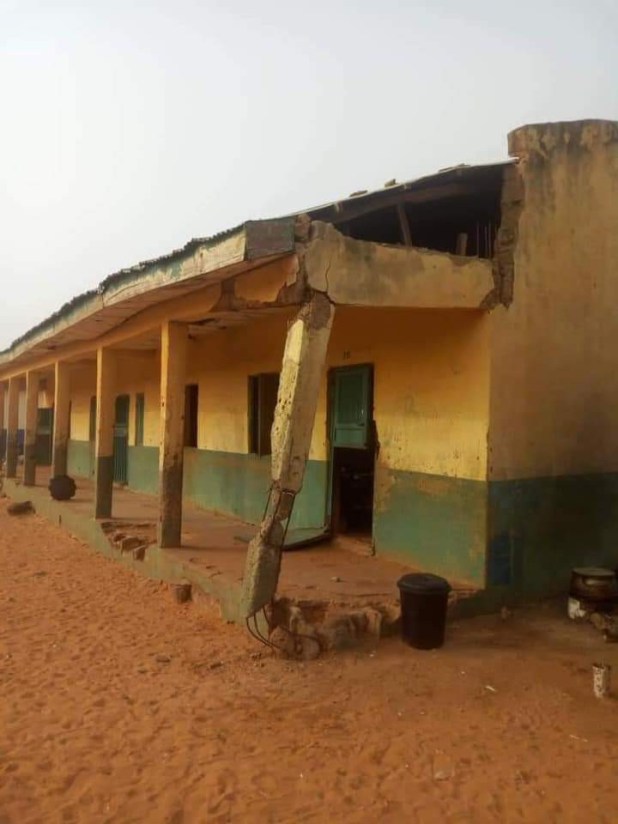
{"x": 456, "y": 413}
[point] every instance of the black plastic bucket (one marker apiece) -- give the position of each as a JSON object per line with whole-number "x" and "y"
{"x": 424, "y": 601}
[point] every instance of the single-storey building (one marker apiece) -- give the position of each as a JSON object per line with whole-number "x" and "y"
{"x": 428, "y": 368}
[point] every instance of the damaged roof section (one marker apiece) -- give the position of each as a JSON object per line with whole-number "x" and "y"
{"x": 456, "y": 211}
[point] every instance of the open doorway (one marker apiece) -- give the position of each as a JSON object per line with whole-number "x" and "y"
{"x": 352, "y": 452}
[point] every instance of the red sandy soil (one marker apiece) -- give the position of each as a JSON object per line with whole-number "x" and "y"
{"x": 119, "y": 705}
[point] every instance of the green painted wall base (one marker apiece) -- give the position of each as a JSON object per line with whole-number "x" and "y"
{"x": 80, "y": 461}
{"x": 143, "y": 469}
{"x": 226, "y": 482}
{"x": 516, "y": 540}
{"x": 540, "y": 528}
{"x": 238, "y": 485}
{"x": 433, "y": 523}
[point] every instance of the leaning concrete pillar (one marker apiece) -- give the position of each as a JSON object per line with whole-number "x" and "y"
{"x": 172, "y": 427}
{"x": 2, "y": 422}
{"x": 32, "y": 408}
{"x": 62, "y": 406}
{"x": 104, "y": 441}
{"x": 12, "y": 427}
{"x": 299, "y": 385}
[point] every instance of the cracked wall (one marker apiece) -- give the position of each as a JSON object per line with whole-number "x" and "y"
{"x": 361, "y": 273}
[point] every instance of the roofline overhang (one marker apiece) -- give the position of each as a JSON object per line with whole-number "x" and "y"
{"x": 207, "y": 260}
{"x": 119, "y": 296}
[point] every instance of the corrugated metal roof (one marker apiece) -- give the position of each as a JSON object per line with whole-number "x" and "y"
{"x": 391, "y": 189}
{"x": 115, "y": 280}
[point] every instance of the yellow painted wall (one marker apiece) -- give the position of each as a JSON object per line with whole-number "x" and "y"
{"x": 83, "y": 387}
{"x": 135, "y": 373}
{"x": 431, "y": 390}
{"x": 430, "y": 395}
{"x": 553, "y": 374}
{"x": 141, "y": 373}
{"x": 22, "y": 408}
{"x": 220, "y": 364}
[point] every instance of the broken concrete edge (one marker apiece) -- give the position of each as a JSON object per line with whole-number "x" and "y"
{"x": 344, "y": 270}
{"x": 157, "y": 564}
{"x": 323, "y": 260}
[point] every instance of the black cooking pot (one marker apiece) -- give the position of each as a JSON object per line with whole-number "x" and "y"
{"x": 594, "y": 584}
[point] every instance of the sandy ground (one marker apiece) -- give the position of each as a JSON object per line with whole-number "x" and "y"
{"x": 118, "y": 705}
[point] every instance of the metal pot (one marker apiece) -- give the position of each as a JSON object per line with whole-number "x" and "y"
{"x": 594, "y": 584}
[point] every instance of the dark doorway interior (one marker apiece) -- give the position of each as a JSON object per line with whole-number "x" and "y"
{"x": 352, "y": 451}
{"x": 192, "y": 393}
{"x": 353, "y": 471}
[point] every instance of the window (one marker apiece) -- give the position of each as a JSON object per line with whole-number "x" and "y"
{"x": 139, "y": 419}
{"x": 93, "y": 418}
{"x": 191, "y": 405}
{"x": 262, "y": 401}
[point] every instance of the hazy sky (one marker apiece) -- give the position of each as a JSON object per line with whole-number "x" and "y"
{"x": 129, "y": 127}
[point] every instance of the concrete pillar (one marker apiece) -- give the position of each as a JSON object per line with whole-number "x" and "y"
{"x": 2, "y": 422}
{"x": 62, "y": 400}
{"x": 32, "y": 408}
{"x": 171, "y": 441}
{"x": 299, "y": 386}
{"x": 104, "y": 442}
{"x": 12, "y": 425}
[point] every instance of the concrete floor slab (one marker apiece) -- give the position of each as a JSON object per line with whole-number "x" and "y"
{"x": 322, "y": 579}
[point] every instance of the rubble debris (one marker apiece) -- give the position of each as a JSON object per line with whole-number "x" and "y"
{"x": 182, "y": 592}
{"x": 139, "y": 553}
{"x": 130, "y": 542}
{"x": 601, "y": 680}
{"x": 162, "y": 659}
{"x": 20, "y": 508}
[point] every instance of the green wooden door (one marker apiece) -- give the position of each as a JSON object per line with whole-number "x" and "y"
{"x": 351, "y": 403}
{"x": 121, "y": 439}
{"x": 350, "y": 414}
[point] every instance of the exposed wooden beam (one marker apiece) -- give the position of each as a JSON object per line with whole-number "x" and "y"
{"x": 404, "y": 224}
{"x": 350, "y": 210}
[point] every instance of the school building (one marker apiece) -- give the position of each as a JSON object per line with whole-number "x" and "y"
{"x": 437, "y": 358}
